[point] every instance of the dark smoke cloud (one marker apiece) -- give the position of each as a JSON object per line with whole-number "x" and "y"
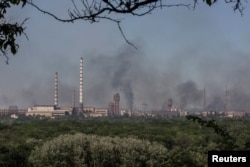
{"x": 5, "y": 99}
{"x": 128, "y": 92}
{"x": 140, "y": 78}
{"x": 217, "y": 104}
{"x": 121, "y": 79}
{"x": 183, "y": 78}
{"x": 36, "y": 93}
{"x": 238, "y": 99}
{"x": 189, "y": 94}
{"x": 130, "y": 73}
{"x": 115, "y": 74}
{"x": 192, "y": 61}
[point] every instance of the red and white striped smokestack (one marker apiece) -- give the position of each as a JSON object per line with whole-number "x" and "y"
{"x": 56, "y": 90}
{"x": 81, "y": 85}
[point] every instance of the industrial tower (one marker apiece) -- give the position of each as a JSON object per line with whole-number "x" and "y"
{"x": 74, "y": 110}
{"x": 226, "y": 100}
{"x": 116, "y": 99}
{"x": 170, "y": 104}
{"x": 204, "y": 100}
{"x": 56, "y": 91}
{"x": 81, "y": 106}
{"x": 74, "y": 99}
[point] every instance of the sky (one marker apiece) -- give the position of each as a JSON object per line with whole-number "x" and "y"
{"x": 180, "y": 52}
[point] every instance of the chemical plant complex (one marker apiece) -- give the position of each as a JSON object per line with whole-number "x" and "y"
{"x": 80, "y": 110}
{"x": 113, "y": 109}
{"x": 56, "y": 111}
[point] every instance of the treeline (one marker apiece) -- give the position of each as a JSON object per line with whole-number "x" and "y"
{"x": 185, "y": 143}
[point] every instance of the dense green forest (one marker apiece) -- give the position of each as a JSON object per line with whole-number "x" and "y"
{"x": 115, "y": 141}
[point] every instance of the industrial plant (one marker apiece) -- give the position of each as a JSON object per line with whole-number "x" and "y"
{"x": 169, "y": 109}
{"x": 82, "y": 110}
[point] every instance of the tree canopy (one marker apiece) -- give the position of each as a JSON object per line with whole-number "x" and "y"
{"x": 106, "y": 141}
{"x": 96, "y": 10}
{"x": 92, "y": 150}
{"x": 8, "y": 30}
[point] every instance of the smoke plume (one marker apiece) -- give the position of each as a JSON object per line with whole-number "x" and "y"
{"x": 140, "y": 78}
{"x": 121, "y": 79}
{"x": 131, "y": 73}
{"x": 189, "y": 94}
{"x": 117, "y": 72}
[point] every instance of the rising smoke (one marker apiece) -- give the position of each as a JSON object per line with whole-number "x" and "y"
{"x": 120, "y": 77}
{"x": 131, "y": 74}
{"x": 117, "y": 71}
{"x": 189, "y": 94}
{"x": 188, "y": 66}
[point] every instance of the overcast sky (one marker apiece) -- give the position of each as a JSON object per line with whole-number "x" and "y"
{"x": 180, "y": 52}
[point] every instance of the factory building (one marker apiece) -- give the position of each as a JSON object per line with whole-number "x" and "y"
{"x": 89, "y": 109}
{"x": 99, "y": 112}
{"x": 56, "y": 111}
{"x": 232, "y": 114}
{"x": 125, "y": 112}
{"x": 48, "y": 111}
{"x": 12, "y": 110}
{"x": 95, "y": 112}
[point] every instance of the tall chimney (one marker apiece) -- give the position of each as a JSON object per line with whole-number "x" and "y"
{"x": 116, "y": 99}
{"x": 204, "y": 99}
{"x": 56, "y": 90}
{"x": 74, "y": 99}
{"x": 226, "y": 100}
{"x": 170, "y": 104}
{"x": 81, "y": 86}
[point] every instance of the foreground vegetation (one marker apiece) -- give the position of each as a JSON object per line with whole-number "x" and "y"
{"x": 129, "y": 141}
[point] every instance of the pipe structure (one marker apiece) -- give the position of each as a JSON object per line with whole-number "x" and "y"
{"x": 74, "y": 99}
{"x": 226, "y": 99}
{"x": 204, "y": 99}
{"x": 56, "y": 90}
{"x": 116, "y": 99}
{"x": 170, "y": 104}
